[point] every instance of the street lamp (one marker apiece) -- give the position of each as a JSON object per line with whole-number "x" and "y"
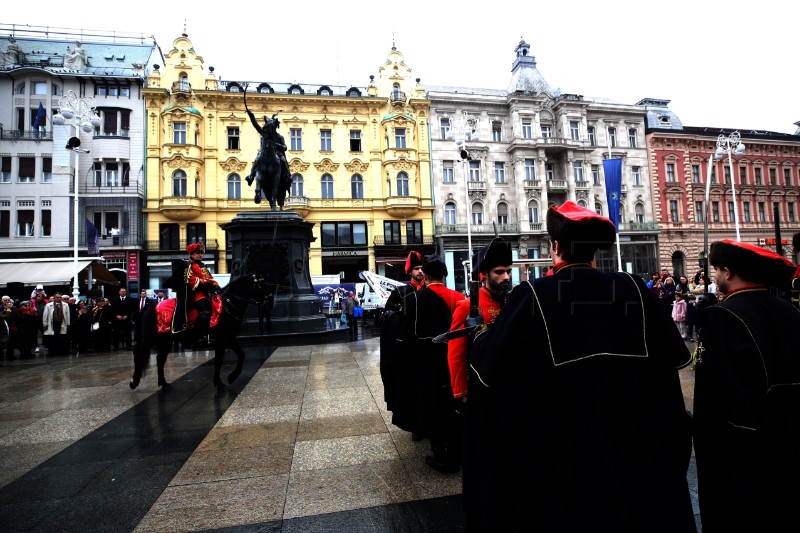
{"x": 731, "y": 143}
{"x": 78, "y": 112}
{"x": 463, "y": 128}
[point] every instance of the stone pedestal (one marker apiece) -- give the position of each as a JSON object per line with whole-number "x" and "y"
{"x": 275, "y": 245}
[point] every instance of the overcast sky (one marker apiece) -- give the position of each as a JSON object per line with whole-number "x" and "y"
{"x": 720, "y": 63}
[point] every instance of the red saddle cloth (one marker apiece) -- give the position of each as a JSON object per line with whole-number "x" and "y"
{"x": 166, "y": 309}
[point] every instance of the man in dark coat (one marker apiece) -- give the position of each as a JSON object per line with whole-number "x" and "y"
{"x": 581, "y": 368}
{"x": 747, "y": 396}
{"x": 397, "y": 371}
{"x": 122, "y": 309}
{"x": 429, "y": 314}
{"x": 141, "y": 305}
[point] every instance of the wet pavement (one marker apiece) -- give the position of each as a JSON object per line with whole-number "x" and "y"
{"x": 300, "y": 442}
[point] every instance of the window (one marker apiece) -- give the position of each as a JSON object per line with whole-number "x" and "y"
{"x": 355, "y": 140}
{"x": 344, "y": 234}
{"x": 591, "y": 135}
{"x": 759, "y": 180}
{"x": 46, "y": 222}
{"x": 549, "y": 171}
{"x": 296, "y": 139}
{"x": 168, "y": 236}
{"x": 325, "y": 140}
{"x": 671, "y": 172}
{"x": 357, "y": 186}
{"x": 695, "y": 173}
{"x": 402, "y": 184}
{"x": 638, "y": 213}
{"x": 449, "y": 213}
{"x": 790, "y": 210}
{"x": 196, "y": 232}
{"x": 574, "y": 130}
{"x": 27, "y": 170}
{"x": 497, "y": 131}
{"x": 399, "y": 137}
{"x": 327, "y": 186}
{"x": 106, "y": 221}
{"x": 787, "y": 176}
{"x": 107, "y": 174}
{"x": 582, "y": 203}
{"x": 773, "y": 176}
{"x": 39, "y": 87}
{"x": 636, "y": 175}
{"x": 477, "y": 213}
{"x": 444, "y": 127}
{"x": 699, "y": 212}
{"x": 47, "y": 170}
{"x": 530, "y": 170}
{"x": 5, "y": 170}
{"x": 234, "y": 187}
{"x": 112, "y": 178}
{"x": 391, "y": 232}
{"x": 414, "y": 231}
{"x": 324, "y": 91}
{"x": 57, "y": 90}
{"x": 612, "y": 137}
{"x": 499, "y": 172}
{"x": 233, "y": 138}
{"x": 577, "y": 168}
{"x": 632, "y": 139}
{"x": 746, "y": 211}
{"x": 502, "y": 213}
{"x": 776, "y": 210}
{"x": 179, "y": 183}
{"x": 24, "y": 223}
{"x": 762, "y": 213}
{"x": 447, "y": 172}
{"x": 474, "y": 171}
{"x": 743, "y": 174}
{"x": 179, "y": 133}
{"x": 727, "y": 172}
{"x": 294, "y": 89}
{"x": 20, "y": 89}
{"x": 527, "y": 129}
{"x": 673, "y": 211}
{"x": 533, "y": 212}
{"x": 596, "y": 174}
{"x": 715, "y": 211}
{"x": 114, "y": 122}
{"x": 297, "y": 185}
{"x": 5, "y": 223}
{"x": 731, "y": 212}
{"x": 598, "y": 208}
{"x": 124, "y": 91}
{"x": 547, "y": 131}
{"x": 713, "y": 173}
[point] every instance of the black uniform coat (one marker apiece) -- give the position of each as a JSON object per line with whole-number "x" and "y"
{"x": 747, "y": 415}
{"x": 578, "y": 377}
{"x": 396, "y": 366}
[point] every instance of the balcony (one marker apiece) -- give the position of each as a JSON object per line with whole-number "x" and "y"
{"x": 175, "y": 245}
{"x": 532, "y": 184}
{"x": 181, "y": 87}
{"x": 111, "y": 147}
{"x": 187, "y": 151}
{"x": 476, "y": 185}
{"x": 298, "y": 204}
{"x": 397, "y": 96}
{"x": 461, "y": 229}
{"x": 556, "y": 185}
{"x": 16, "y": 135}
{"x": 639, "y": 226}
{"x": 380, "y": 240}
{"x": 132, "y": 189}
{"x": 402, "y": 206}
{"x": 181, "y": 207}
{"x": 582, "y": 184}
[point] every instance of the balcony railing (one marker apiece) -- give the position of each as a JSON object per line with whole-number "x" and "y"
{"x": 638, "y": 226}
{"x": 176, "y": 245}
{"x": 16, "y": 135}
{"x": 583, "y": 184}
{"x": 181, "y": 87}
{"x": 380, "y": 240}
{"x": 477, "y": 228}
{"x": 556, "y": 185}
{"x": 532, "y": 184}
{"x": 476, "y": 185}
{"x": 398, "y": 96}
{"x": 130, "y": 189}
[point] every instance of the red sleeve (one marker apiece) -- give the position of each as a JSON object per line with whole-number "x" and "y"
{"x": 195, "y": 276}
{"x": 457, "y": 351}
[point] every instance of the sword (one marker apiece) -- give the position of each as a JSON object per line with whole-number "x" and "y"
{"x": 455, "y": 334}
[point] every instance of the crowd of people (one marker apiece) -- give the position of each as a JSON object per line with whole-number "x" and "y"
{"x": 560, "y": 400}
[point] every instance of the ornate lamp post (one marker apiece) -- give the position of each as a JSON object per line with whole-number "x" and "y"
{"x": 78, "y": 112}
{"x": 463, "y": 128}
{"x": 731, "y": 143}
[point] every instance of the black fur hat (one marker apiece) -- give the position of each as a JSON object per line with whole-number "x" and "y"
{"x": 414, "y": 259}
{"x": 434, "y": 266}
{"x": 496, "y": 253}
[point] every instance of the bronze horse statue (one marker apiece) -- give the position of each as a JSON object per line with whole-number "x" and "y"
{"x": 270, "y": 170}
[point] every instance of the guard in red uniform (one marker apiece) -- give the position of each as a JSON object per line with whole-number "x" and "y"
{"x": 199, "y": 285}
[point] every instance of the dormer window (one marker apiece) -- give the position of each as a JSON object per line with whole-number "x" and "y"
{"x": 234, "y": 87}
{"x": 324, "y": 91}
{"x": 295, "y": 89}
{"x": 353, "y": 92}
{"x": 265, "y": 88}
{"x": 663, "y": 120}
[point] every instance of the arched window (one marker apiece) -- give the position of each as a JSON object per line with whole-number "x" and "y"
{"x": 450, "y": 213}
{"x": 179, "y": 183}
{"x": 265, "y": 88}
{"x": 297, "y": 185}
{"x": 184, "y": 82}
{"x": 678, "y": 265}
{"x": 582, "y": 203}
{"x": 502, "y": 213}
{"x": 533, "y": 212}
{"x": 639, "y": 213}
{"x": 402, "y": 184}
{"x": 598, "y": 208}
{"x": 477, "y": 213}
{"x": 396, "y": 92}
{"x": 357, "y": 186}
{"x": 234, "y": 187}
{"x": 324, "y": 91}
{"x": 327, "y": 186}
{"x": 621, "y": 212}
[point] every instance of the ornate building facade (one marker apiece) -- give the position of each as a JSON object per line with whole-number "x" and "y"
{"x": 37, "y": 184}
{"x": 536, "y": 148}
{"x": 359, "y": 159}
{"x": 765, "y": 180}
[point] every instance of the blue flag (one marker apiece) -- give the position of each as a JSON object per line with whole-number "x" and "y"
{"x": 92, "y": 238}
{"x": 41, "y": 117}
{"x": 612, "y": 168}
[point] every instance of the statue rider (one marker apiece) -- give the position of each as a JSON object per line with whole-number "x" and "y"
{"x": 270, "y": 134}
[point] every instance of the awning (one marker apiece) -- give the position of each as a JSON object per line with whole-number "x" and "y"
{"x": 52, "y": 272}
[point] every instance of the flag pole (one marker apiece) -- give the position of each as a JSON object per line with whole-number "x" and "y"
{"x": 616, "y": 226}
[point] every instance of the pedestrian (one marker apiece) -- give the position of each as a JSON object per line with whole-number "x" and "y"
{"x": 101, "y": 325}
{"x": 429, "y": 314}
{"x": 55, "y": 323}
{"x": 122, "y": 310}
{"x": 682, "y": 285}
{"x": 83, "y": 328}
{"x": 580, "y": 370}
{"x": 136, "y": 319}
{"x": 27, "y": 329}
{"x": 349, "y": 310}
{"x": 398, "y": 372}
{"x": 690, "y": 316}
{"x": 10, "y": 314}
{"x": 679, "y": 314}
{"x": 39, "y": 300}
{"x": 747, "y": 395}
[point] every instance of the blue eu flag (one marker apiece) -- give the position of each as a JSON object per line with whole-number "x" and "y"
{"x": 612, "y": 168}
{"x": 41, "y": 117}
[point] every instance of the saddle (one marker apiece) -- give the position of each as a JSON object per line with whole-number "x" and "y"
{"x": 166, "y": 309}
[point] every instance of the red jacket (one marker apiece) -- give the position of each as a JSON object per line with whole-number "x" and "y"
{"x": 457, "y": 348}
{"x": 199, "y": 280}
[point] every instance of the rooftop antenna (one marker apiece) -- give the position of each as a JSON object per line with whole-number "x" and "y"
{"x": 184, "y": 28}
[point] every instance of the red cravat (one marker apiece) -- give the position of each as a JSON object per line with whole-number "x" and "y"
{"x": 141, "y": 305}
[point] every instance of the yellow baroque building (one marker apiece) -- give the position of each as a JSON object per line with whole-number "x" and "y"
{"x": 359, "y": 159}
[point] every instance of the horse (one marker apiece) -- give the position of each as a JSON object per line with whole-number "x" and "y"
{"x": 235, "y": 299}
{"x": 267, "y": 169}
